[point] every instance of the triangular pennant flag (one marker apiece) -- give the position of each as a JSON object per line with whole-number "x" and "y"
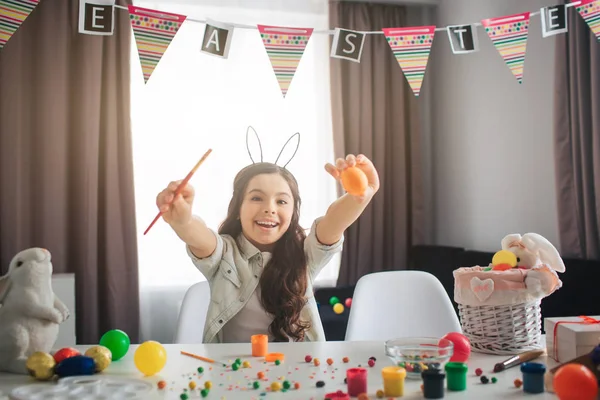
{"x": 411, "y": 47}
{"x": 285, "y": 47}
{"x": 12, "y": 15}
{"x": 153, "y": 31}
{"x": 590, "y": 12}
{"x": 509, "y": 35}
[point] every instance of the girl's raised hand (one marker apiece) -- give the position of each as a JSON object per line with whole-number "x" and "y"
{"x": 364, "y": 164}
{"x": 176, "y": 210}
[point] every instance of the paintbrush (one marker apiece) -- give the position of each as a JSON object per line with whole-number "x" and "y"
{"x": 518, "y": 359}
{"x": 181, "y": 187}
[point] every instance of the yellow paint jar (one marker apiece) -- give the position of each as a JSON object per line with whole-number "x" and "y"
{"x": 393, "y": 381}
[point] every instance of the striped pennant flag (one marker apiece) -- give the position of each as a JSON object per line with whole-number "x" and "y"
{"x": 12, "y": 15}
{"x": 153, "y": 31}
{"x": 411, "y": 46}
{"x": 509, "y": 35}
{"x": 590, "y": 12}
{"x": 285, "y": 47}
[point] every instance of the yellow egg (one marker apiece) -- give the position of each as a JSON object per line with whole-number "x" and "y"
{"x": 505, "y": 257}
{"x": 338, "y": 308}
{"x": 41, "y": 365}
{"x": 101, "y": 355}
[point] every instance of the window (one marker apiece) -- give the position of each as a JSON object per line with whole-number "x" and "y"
{"x": 194, "y": 101}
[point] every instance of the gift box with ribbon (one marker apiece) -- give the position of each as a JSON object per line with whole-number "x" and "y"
{"x": 571, "y": 337}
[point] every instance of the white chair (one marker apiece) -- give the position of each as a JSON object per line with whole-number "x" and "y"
{"x": 192, "y": 315}
{"x": 393, "y": 304}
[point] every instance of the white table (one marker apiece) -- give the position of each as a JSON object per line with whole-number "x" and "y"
{"x": 180, "y": 368}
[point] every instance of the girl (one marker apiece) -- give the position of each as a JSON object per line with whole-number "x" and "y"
{"x": 261, "y": 265}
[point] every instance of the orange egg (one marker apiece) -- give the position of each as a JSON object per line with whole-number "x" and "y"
{"x": 354, "y": 181}
{"x": 575, "y": 381}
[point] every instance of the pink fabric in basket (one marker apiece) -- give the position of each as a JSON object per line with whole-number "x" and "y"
{"x": 476, "y": 287}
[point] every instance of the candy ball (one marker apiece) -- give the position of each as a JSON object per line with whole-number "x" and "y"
{"x": 354, "y": 181}
{"x": 348, "y": 302}
{"x": 150, "y": 358}
{"x": 575, "y": 382}
{"x": 101, "y": 355}
{"x": 505, "y": 257}
{"x": 334, "y": 300}
{"x": 462, "y": 346}
{"x": 338, "y": 308}
{"x": 117, "y": 342}
{"x": 41, "y": 365}
{"x": 64, "y": 353}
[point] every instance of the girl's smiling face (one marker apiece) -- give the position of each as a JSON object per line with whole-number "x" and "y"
{"x": 266, "y": 210}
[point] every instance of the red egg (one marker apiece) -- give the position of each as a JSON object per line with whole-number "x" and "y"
{"x": 348, "y": 302}
{"x": 575, "y": 382}
{"x": 462, "y": 346}
{"x": 65, "y": 353}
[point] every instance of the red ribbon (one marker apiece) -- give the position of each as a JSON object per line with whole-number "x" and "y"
{"x": 586, "y": 321}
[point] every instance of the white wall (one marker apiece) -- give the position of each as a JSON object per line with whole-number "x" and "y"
{"x": 492, "y": 150}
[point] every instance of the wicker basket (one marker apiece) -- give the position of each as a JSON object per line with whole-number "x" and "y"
{"x": 507, "y": 329}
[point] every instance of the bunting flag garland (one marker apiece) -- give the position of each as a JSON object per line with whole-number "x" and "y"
{"x": 590, "y": 12}
{"x": 153, "y": 31}
{"x": 411, "y": 47}
{"x": 285, "y": 47}
{"x": 12, "y": 15}
{"x": 509, "y": 35}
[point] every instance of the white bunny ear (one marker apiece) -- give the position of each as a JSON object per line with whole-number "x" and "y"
{"x": 297, "y": 135}
{"x": 248, "y": 145}
{"x": 4, "y": 287}
{"x": 546, "y": 250}
{"x": 508, "y": 239}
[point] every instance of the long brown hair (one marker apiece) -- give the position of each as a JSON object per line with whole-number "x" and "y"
{"x": 284, "y": 281}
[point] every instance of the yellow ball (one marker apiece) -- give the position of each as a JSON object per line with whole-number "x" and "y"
{"x": 338, "y": 308}
{"x": 275, "y": 386}
{"x": 102, "y": 357}
{"x": 505, "y": 257}
{"x": 208, "y": 384}
{"x": 150, "y": 358}
{"x": 41, "y": 365}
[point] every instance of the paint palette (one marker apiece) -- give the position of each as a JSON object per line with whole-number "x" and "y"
{"x": 85, "y": 387}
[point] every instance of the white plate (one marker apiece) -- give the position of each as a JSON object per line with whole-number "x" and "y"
{"x": 85, "y": 388}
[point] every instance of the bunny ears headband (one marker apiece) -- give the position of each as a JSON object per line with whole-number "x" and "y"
{"x": 280, "y": 152}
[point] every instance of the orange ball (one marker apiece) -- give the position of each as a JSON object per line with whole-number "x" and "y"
{"x": 575, "y": 382}
{"x": 316, "y": 362}
{"x": 354, "y": 181}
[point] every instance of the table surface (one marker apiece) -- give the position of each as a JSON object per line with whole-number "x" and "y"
{"x": 228, "y": 384}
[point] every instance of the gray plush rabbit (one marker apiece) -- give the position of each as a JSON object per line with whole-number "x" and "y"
{"x": 30, "y": 312}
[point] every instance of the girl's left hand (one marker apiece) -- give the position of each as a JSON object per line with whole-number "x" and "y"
{"x": 359, "y": 161}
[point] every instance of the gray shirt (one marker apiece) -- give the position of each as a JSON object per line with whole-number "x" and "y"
{"x": 233, "y": 272}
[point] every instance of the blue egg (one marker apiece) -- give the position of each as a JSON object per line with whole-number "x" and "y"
{"x": 74, "y": 366}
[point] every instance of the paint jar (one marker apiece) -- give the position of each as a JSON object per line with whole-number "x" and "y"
{"x": 356, "y": 379}
{"x": 433, "y": 383}
{"x": 533, "y": 377}
{"x": 393, "y": 381}
{"x": 457, "y": 376}
{"x": 260, "y": 345}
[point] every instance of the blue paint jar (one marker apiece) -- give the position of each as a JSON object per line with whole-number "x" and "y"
{"x": 533, "y": 377}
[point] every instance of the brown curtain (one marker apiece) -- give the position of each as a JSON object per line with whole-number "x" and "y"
{"x": 375, "y": 113}
{"x": 577, "y": 139}
{"x": 66, "y": 173}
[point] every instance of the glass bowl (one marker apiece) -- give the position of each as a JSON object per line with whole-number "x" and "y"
{"x": 416, "y": 354}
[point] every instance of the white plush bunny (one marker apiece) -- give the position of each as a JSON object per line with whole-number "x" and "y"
{"x": 30, "y": 312}
{"x": 533, "y": 249}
